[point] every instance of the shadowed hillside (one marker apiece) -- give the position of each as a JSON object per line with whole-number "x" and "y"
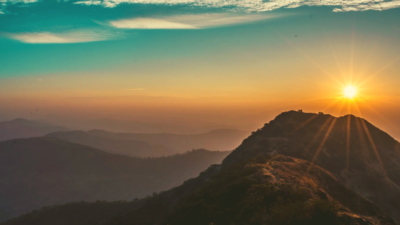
{"x": 22, "y": 128}
{"x": 277, "y": 191}
{"x": 264, "y": 190}
{"x": 38, "y": 172}
{"x": 151, "y": 145}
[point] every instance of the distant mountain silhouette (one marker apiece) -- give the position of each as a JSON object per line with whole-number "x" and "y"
{"x": 150, "y": 145}
{"x": 300, "y": 168}
{"x": 22, "y": 128}
{"x": 132, "y": 126}
{"x": 116, "y": 125}
{"x": 113, "y": 144}
{"x": 37, "y": 172}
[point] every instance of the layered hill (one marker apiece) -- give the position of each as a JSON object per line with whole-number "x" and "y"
{"x": 153, "y": 145}
{"x": 300, "y": 168}
{"x": 22, "y": 128}
{"x": 273, "y": 190}
{"x": 37, "y": 172}
{"x": 111, "y": 143}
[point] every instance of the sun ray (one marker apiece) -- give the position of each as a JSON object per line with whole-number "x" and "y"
{"x": 352, "y": 54}
{"x": 336, "y": 58}
{"x": 310, "y": 59}
{"x": 341, "y": 105}
{"x": 371, "y": 141}
{"x": 328, "y": 132}
{"x": 368, "y": 59}
{"x": 348, "y": 130}
{"x": 314, "y": 116}
{"x": 375, "y": 111}
{"x": 311, "y": 143}
{"x": 380, "y": 70}
{"x": 378, "y": 157}
{"x": 304, "y": 123}
{"x": 361, "y": 136}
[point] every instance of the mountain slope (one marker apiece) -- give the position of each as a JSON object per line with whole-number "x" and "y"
{"x": 22, "y": 128}
{"x": 262, "y": 190}
{"x": 144, "y": 145}
{"x": 278, "y": 190}
{"x": 357, "y": 153}
{"x": 37, "y": 172}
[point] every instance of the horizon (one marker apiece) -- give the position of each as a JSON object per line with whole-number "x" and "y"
{"x": 184, "y": 131}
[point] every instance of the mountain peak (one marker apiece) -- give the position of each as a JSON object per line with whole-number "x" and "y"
{"x": 23, "y": 128}
{"x": 300, "y": 117}
{"x": 302, "y": 133}
{"x": 349, "y": 147}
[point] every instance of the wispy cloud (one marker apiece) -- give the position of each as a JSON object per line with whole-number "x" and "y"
{"x": 249, "y": 5}
{"x": 262, "y": 5}
{"x": 4, "y": 3}
{"x": 17, "y": 1}
{"x": 89, "y": 2}
{"x": 199, "y": 21}
{"x": 148, "y": 23}
{"x": 54, "y": 38}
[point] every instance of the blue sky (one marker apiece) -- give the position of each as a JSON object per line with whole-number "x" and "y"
{"x": 57, "y": 36}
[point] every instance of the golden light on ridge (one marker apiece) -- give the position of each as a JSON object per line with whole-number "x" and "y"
{"x": 350, "y": 91}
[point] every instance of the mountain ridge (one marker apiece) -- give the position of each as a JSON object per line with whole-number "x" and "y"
{"x": 37, "y": 172}
{"x": 23, "y": 128}
{"x": 153, "y": 145}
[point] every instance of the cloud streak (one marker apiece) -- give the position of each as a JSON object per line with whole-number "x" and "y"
{"x": 199, "y": 21}
{"x": 56, "y": 38}
{"x": 148, "y": 23}
{"x": 249, "y": 5}
{"x": 262, "y": 5}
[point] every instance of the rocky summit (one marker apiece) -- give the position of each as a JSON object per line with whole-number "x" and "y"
{"x": 361, "y": 156}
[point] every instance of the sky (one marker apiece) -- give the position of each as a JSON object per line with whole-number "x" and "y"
{"x": 189, "y": 66}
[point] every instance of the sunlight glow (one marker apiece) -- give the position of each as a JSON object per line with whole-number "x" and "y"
{"x": 350, "y": 91}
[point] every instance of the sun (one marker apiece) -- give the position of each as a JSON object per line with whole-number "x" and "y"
{"x": 350, "y": 91}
